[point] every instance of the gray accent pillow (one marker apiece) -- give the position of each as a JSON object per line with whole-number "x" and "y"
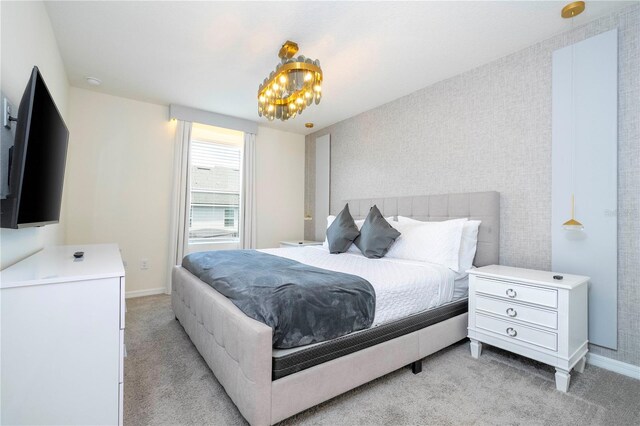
{"x": 376, "y": 235}
{"x": 342, "y": 232}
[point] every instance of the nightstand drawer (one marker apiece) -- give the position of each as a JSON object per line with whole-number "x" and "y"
{"x": 518, "y": 332}
{"x": 303, "y": 243}
{"x": 509, "y": 309}
{"x": 519, "y": 292}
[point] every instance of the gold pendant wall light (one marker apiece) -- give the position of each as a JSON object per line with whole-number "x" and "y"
{"x": 295, "y": 84}
{"x": 570, "y": 11}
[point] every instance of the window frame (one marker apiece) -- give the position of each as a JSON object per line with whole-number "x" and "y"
{"x": 215, "y": 240}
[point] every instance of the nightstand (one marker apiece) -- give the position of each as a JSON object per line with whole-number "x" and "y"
{"x": 530, "y": 313}
{"x": 300, "y": 243}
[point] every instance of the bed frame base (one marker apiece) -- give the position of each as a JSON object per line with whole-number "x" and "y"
{"x": 238, "y": 350}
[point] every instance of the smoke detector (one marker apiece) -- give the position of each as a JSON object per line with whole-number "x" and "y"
{"x": 93, "y": 81}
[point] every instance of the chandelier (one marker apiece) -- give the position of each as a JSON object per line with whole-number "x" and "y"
{"x": 294, "y": 85}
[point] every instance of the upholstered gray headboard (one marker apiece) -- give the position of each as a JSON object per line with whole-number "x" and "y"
{"x": 484, "y": 206}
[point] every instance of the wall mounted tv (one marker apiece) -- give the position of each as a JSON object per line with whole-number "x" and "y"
{"x": 36, "y": 161}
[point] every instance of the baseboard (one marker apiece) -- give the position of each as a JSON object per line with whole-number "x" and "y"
{"x": 616, "y": 366}
{"x": 149, "y": 292}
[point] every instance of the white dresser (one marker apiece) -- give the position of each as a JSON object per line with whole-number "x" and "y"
{"x": 63, "y": 337}
{"x": 530, "y": 313}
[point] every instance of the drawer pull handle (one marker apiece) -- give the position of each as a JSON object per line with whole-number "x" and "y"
{"x": 511, "y": 293}
{"x": 511, "y": 332}
{"x": 512, "y": 312}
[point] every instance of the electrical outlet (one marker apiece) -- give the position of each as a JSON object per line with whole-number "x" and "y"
{"x": 6, "y": 113}
{"x": 144, "y": 264}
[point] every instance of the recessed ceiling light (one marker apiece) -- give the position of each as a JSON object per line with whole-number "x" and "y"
{"x": 93, "y": 81}
{"x": 308, "y": 125}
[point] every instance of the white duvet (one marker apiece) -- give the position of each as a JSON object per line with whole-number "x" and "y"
{"x": 403, "y": 287}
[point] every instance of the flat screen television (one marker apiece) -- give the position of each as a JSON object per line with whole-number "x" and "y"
{"x": 36, "y": 160}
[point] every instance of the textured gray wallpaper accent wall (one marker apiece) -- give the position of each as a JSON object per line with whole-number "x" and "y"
{"x": 490, "y": 129}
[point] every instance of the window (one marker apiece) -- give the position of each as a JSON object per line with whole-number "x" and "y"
{"x": 215, "y": 192}
{"x": 229, "y": 218}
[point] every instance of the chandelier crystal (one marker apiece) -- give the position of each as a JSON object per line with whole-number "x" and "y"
{"x": 295, "y": 84}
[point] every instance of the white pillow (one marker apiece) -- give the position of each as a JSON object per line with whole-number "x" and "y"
{"x": 468, "y": 243}
{"x": 435, "y": 242}
{"x": 330, "y": 220}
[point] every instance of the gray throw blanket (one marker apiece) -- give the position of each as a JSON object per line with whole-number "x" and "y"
{"x": 301, "y": 303}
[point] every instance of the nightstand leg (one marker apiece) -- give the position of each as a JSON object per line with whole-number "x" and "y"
{"x": 562, "y": 380}
{"x": 476, "y": 348}
{"x": 580, "y": 365}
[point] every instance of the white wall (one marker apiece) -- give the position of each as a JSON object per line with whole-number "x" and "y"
{"x": 119, "y": 180}
{"x": 280, "y": 186}
{"x": 119, "y": 174}
{"x": 28, "y": 40}
{"x": 584, "y": 163}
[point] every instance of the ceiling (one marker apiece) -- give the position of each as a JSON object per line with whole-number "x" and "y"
{"x": 213, "y": 55}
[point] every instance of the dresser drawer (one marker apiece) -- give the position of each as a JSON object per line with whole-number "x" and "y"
{"x": 121, "y": 360}
{"x": 518, "y": 332}
{"x": 509, "y": 309}
{"x": 520, "y": 292}
{"x": 121, "y": 404}
{"x": 123, "y": 303}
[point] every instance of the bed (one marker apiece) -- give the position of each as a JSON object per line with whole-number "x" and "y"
{"x": 270, "y": 385}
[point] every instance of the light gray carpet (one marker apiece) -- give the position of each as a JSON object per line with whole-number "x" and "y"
{"x": 168, "y": 383}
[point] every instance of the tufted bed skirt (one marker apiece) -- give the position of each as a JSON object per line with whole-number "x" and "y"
{"x": 238, "y": 350}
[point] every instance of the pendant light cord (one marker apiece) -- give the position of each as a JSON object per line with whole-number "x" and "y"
{"x": 573, "y": 125}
